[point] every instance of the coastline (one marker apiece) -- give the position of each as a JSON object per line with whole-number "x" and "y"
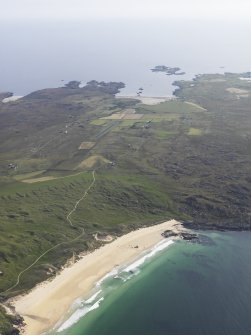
{"x": 12, "y": 98}
{"x": 147, "y": 100}
{"x": 47, "y": 303}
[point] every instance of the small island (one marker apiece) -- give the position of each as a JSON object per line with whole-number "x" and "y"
{"x": 169, "y": 71}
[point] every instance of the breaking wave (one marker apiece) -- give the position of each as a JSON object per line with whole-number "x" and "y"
{"x": 78, "y": 314}
{"x": 160, "y": 246}
{"x": 120, "y": 275}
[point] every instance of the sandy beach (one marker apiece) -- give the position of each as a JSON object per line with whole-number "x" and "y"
{"x": 147, "y": 100}
{"x": 13, "y": 98}
{"x": 47, "y": 303}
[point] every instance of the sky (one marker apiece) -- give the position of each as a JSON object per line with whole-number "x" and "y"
{"x": 84, "y": 9}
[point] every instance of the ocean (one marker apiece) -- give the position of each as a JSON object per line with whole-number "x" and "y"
{"x": 39, "y": 54}
{"x": 190, "y": 289}
{"x": 183, "y": 288}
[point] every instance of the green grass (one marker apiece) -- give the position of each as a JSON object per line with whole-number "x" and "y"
{"x": 99, "y": 122}
{"x": 36, "y": 214}
{"x": 160, "y": 169}
{"x": 160, "y": 117}
{"x": 28, "y": 175}
{"x": 168, "y": 107}
{"x": 195, "y": 132}
{"x": 6, "y": 323}
{"x": 163, "y": 134}
{"x": 124, "y": 124}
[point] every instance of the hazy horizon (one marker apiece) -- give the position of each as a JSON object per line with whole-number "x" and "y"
{"x": 79, "y": 9}
{"x": 47, "y": 41}
{"x": 38, "y": 55}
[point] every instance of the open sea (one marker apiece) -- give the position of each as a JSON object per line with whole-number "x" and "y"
{"x": 39, "y": 54}
{"x": 178, "y": 288}
{"x": 185, "y": 288}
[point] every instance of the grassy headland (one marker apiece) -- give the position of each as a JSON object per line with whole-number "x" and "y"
{"x": 187, "y": 159}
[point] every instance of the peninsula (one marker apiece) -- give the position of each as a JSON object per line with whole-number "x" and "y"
{"x": 81, "y": 162}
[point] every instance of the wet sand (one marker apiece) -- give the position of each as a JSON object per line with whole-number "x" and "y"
{"x": 47, "y": 303}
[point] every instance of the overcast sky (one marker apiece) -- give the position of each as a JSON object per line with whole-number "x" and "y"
{"x": 13, "y": 9}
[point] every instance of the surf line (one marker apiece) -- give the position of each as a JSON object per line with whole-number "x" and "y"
{"x": 124, "y": 273}
{"x": 68, "y": 218}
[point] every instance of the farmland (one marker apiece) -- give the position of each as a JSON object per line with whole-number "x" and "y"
{"x": 187, "y": 158}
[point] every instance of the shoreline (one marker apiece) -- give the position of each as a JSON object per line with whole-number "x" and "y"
{"x": 147, "y": 100}
{"x": 12, "y": 98}
{"x": 46, "y": 305}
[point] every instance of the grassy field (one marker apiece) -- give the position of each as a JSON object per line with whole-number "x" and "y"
{"x": 187, "y": 159}
{"x": 195, "y": 132}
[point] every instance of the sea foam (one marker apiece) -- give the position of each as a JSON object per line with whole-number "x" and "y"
{"x": 78, "y": 314}
{"x": 93, "y": 297}
{"x": 113, "y": 273}
{"x": 160, "y": 246}
{"x": 117, "y": 273}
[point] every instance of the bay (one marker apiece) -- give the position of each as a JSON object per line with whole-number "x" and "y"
{"x": 192, "y": 289}
{"x": 48, "y": 53}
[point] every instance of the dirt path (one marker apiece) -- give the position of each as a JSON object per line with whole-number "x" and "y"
{"x": 68, "y": 218}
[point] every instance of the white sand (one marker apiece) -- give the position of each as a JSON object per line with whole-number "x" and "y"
{"x": 13, "y": 98}
{"x": 147, "y": 100}
{"x": 47, "y": 303}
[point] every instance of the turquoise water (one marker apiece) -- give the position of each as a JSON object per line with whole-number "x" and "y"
{"x": 197, "y": 289}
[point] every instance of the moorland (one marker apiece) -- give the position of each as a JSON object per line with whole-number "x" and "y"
{"x": 80, "y": 161}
